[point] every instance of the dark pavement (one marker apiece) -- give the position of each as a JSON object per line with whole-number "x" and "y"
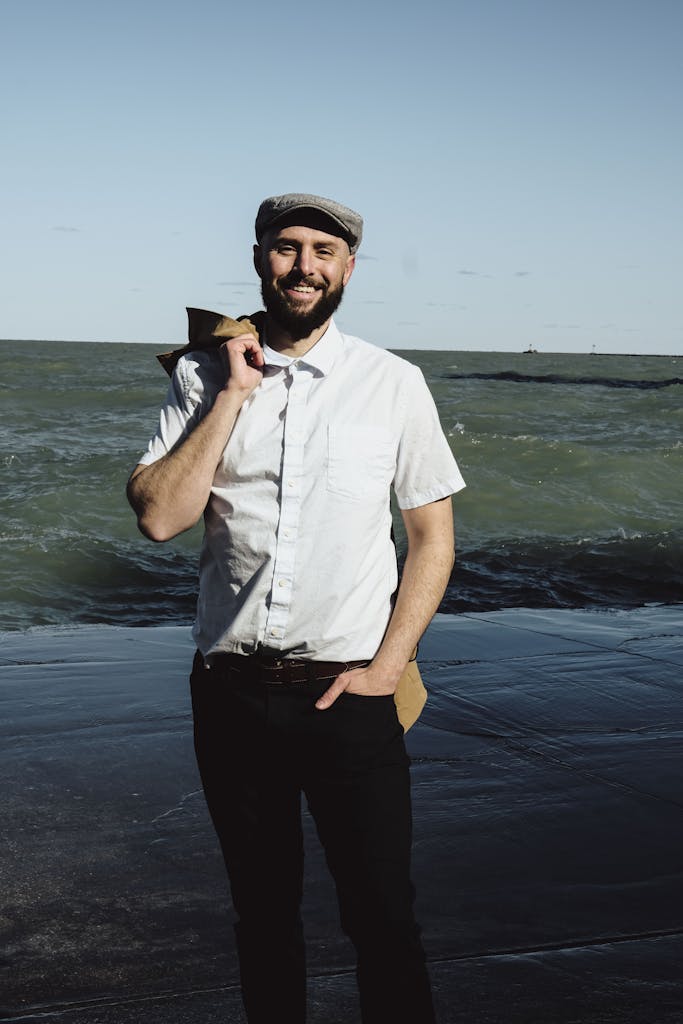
{"x": 548, "y": 817}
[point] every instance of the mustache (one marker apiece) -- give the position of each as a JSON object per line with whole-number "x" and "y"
{"x": 294, "y": 278}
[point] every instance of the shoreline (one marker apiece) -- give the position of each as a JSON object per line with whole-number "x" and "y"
{"x": 473, "y": 614}
{"x": 548, "y": 820}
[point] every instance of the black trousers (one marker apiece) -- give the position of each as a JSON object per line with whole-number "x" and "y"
{"x": 259, "y": 747}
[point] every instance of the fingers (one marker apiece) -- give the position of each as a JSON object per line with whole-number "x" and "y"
{"x": 244, "y": 345}
{"x": 365, "y": 681}
{"x": 243, "y": 363}
{"x": 253, "y": 349}
{"x": 332, "y": 692}
{"x": 356, "y": 680}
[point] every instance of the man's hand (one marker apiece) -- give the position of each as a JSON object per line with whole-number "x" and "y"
{"x": 243, "y": 363}
{"x": 170, "y": 495}
{"x": 368, "y": 682}
{"x": 427, "y": 569}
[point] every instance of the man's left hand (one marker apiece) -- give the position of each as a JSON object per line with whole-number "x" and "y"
{"x": 367, "y": 681}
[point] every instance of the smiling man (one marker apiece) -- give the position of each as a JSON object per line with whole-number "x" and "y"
{"x": 290, "y": 445}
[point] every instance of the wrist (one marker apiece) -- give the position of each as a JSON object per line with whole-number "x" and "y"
{"x": 388, "y": 670}
{"x": 230, "y": 399}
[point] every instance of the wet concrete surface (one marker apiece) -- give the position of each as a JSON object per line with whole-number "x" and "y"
{"x": 548, "y": 828}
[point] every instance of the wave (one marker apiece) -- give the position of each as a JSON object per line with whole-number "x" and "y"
{"x": 545, "y": 466}
{"x": 619, "y": 572}
{"x": 132, "y": 583}
{"x": 558, "y": 378}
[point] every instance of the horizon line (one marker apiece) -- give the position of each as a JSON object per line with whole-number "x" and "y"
{"x": 493, "y": 351}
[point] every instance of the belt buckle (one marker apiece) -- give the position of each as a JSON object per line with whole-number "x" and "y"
{"x": 273, "y": 670}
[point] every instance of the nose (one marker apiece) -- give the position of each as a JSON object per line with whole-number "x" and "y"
{"x": 305, "y": 260}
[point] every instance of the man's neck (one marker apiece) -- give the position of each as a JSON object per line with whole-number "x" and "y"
{"x": 282, "y": 342}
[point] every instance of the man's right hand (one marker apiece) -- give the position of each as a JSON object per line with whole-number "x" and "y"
{"x": 243, "y": 363}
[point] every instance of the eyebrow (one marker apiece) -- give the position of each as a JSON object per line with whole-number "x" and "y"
{"x": 333, "y": 242}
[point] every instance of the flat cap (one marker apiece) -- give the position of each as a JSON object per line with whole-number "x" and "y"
{"x": 276, "y": 208}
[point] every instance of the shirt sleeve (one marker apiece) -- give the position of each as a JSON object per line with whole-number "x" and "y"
{"x": 187, "y": 401}
{"x": 426, "y": 469}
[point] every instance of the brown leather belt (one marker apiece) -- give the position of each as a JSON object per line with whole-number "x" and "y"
{"x": 282, "y": 670}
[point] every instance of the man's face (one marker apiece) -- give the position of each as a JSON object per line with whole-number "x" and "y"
{"x": 303, "y": 273}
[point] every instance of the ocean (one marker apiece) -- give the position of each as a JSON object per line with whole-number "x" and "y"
{"x": 573, "y": 463}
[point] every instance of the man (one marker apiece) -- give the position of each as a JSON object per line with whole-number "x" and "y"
{"x": 288, "y": 446}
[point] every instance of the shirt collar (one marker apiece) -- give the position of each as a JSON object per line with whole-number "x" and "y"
{"x": 320, "y": 358}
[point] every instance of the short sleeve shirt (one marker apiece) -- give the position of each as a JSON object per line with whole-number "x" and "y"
{"x": 297, "y": 554}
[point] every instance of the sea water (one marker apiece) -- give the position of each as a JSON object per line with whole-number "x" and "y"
{"x": 573, "y": 465}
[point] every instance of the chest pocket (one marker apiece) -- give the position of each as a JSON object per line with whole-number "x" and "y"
{"x": 361, "y": 461}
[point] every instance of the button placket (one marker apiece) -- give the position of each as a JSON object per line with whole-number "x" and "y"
{"x": 290, "y": 507}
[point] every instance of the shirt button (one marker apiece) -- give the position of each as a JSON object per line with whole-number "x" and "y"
{"x": 283, "y": 583}
{"x": 275, "y": 631}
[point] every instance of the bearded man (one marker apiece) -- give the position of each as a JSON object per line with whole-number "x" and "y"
{"x": 289, "y": 446}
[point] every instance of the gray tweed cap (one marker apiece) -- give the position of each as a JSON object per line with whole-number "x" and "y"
{"x": 275, "y": 208}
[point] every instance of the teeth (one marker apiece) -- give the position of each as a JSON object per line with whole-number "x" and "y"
{"x": 303, "y": 288}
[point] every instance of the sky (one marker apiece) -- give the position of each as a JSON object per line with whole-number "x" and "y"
{"x": 518, "y": 164}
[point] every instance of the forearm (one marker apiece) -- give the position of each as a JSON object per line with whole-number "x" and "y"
{"x": 425, "y": 577}
{"x": 170, "y": 495}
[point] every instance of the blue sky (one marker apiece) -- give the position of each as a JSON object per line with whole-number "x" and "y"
{"x": 518, "y": 165}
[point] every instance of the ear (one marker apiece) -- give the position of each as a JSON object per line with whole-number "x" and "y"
{"x": 348, "y": 270}
{"x": 257, "y": 260}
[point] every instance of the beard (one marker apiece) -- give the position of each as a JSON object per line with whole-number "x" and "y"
{"x": 288, "y": 314}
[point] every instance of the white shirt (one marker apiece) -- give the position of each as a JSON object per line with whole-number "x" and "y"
{"x": 297, "y": 555}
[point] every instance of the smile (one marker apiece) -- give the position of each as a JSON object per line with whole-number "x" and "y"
{"x": 301, "y": 291}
